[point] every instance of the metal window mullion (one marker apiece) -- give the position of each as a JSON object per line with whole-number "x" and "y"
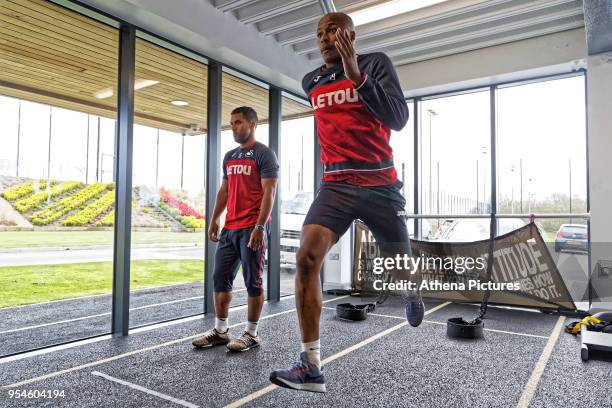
{"x": 274, "y": 126}
{"x": 493, "y": 113}
{"x": 18, "y": 138}
{"x": 98, "y": 172}
{"x": 416, "y": 186}
{"x": 123, "y": 173}
{"x": 49, "y": 146}
{"x": 87, "y": 151}
{"x": 182, "y": 159}
{"x": 213, "y": 163}
{"x": 588, "y": 186}
{"x": 157, "y": 161}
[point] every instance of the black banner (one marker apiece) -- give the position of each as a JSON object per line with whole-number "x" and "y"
{"x": 458, "y": 271}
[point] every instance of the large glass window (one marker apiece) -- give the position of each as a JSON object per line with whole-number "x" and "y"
{"x": 297, "y": 183}
{"x": 454, "y": 159}
{"x": 541, "y": 168}
{"x": 542, "y": 148}
{"x": 167, "y": 254}
{"x": 10, "y": 111}
{"x": 402, "y": 143}
{"x": 58, "y": 71}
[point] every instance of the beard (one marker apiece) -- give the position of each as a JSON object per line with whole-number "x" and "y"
{"x": 241, "y": 138}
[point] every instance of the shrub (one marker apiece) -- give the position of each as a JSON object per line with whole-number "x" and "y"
{"x": 89, "y": 213}
{"x": 192, "y": 222}
{"x": 37, "y": 199}
{"x": 108, "y": 220}
{"x": 25, "y": 189}
{"x": 67, "y": 204}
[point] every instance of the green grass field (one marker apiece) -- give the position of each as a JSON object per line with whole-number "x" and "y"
{"x": 22, "y": 285}
{"x": 68, "y": 239}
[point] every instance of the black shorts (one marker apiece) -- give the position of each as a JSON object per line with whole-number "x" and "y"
{"x": 381, "y": 208}
{"x": 232, "y": 252}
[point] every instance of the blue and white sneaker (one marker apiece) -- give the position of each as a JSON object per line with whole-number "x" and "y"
{"x": 415, "y": 308}
{"x": 303, "y": 376}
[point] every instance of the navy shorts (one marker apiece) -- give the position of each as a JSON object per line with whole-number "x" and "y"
{"x": 232, "y": 252}
{"x": 381, "y": 208}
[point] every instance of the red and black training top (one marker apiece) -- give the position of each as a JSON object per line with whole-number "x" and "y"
{"x": 243, "y": 169}
{"x": 354, "y": 124}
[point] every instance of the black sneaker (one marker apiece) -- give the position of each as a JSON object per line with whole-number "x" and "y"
{"x": 415, "y": 308}
{"x": 211, "y": 338}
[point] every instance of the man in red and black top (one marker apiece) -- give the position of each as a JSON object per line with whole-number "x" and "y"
{"x": 250, "y": 172}
{"x": 357, "y": 101}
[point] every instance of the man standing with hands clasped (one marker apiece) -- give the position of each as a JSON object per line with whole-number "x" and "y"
{"x": 357, "y": 100}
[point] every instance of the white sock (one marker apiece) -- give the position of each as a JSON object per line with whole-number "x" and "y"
{"x": 313, "y": 351}
{"x": 221, "y": 324}
{"x": 251, "y": 328}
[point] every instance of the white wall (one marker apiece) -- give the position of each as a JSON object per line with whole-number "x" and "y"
{"x": 543, "y": 55}
{"x": 599, "y": 102}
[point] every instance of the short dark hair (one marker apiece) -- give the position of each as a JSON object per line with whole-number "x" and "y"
{"x": 248, "y": 112}
{"x": 342, "y": 18}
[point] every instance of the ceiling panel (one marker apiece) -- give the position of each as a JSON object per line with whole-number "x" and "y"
{"x": 55, "y": 56}
{"x": 442, "y": 29}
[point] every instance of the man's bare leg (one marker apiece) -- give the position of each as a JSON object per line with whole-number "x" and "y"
{"x": 222, "y": 302}
{"x": 249, "y": 338}
{"x": 255, "y": 304}
{"x": 316, "y": 242}
{"x": 307, "y": 373}
{"x": 219, "y": 335}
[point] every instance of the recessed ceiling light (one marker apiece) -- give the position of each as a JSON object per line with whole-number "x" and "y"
{"x": 104, "y": 93}
{"x": 138, "y": 84}
{"x": 143, "y": 83}
{"x": 179, "y": 103}
{"x": 389, "y": 9}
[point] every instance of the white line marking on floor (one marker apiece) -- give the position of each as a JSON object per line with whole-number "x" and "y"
{"x": 143, "y": 329}
{"x": 145, "y": 390}
{"x": 270, "y": 388}
{"x": 532, "y": 383}
{"x": 516, "y": 333}
{"x": 105, "y": 314}
{"x": 92, "y": 296}
{"x": 53, "y": 323}
{"x": 138, "y": 351}
{"x": 108, "y": 313}
{"x": 444, "y": 324}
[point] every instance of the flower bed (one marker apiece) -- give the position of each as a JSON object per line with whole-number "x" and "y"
{"x": 93, "y": 210}
{"x": 107, "y": 221}
{"x": 39, "y": 198}
{"x": 180, "y": 211}
{"x": 192, "y": 222}
{"x": 184, "y": 208}
{"x": 25, "y": 189}
{"x": 64, "y": 206}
